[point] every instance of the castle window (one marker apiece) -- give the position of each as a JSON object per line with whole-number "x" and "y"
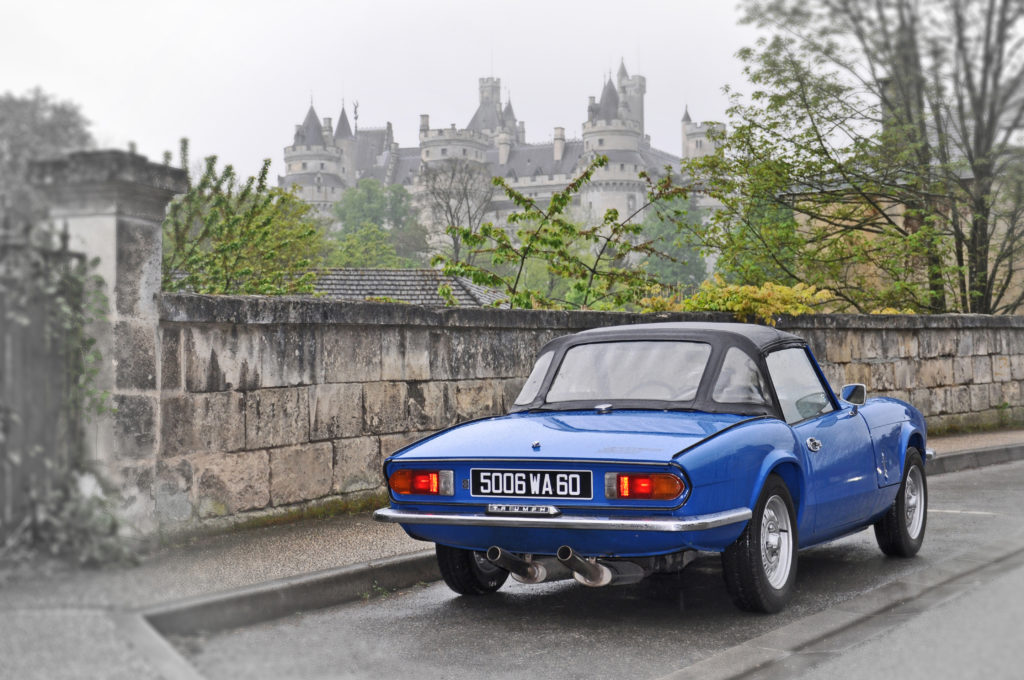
{"x": 463, "y": 152}
{"x": 303, "y": 165}
{"x": 700, "y": 143}
{"x": 427, "y": 153}
{"x": 631, "y": 203}
{"x": 622, "y": 167}
{"x": 321, "y": 166}
{"x": 444, "y": 151}
{"x": 600, "y": 141}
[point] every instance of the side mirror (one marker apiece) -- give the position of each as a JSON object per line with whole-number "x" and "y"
{"x": 855, "y": 393}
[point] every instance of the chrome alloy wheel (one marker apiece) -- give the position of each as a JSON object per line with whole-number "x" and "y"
{"x": 776, "y": 542}
{"x": 914, "y": 502}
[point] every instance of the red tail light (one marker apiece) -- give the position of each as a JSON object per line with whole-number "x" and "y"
{"x": 657, "y": 486}
{"x": 425, "y": 482}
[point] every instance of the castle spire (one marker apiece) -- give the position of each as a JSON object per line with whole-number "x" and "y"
{"x": 686, "y": 114}
{"x": 623, "y": 74}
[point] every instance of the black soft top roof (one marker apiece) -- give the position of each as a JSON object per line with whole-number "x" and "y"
{"x": 753, "y": 337}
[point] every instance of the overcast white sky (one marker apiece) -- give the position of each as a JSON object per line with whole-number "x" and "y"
{"x": 236, "y": 76}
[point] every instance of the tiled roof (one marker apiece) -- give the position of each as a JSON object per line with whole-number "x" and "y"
{"x": 413, "y": 286}
{"x": 344, "y": 130}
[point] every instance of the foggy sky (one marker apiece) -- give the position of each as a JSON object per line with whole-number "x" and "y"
{"x": 237, "y": 76}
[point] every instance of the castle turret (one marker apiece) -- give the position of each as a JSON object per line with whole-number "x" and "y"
{"x": 606, "y": 129}
{"x": 312, "y": 163}
{"x": 559, "y": 144}
{"x": 631, "y": 95}
{"x": 695, "y": 136}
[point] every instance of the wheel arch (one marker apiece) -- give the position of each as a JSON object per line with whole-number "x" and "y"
{"x": 788, "y": 468}
{"x": 911, "y": 436}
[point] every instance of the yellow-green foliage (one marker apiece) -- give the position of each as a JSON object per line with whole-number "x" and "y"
{"x": 765, "y": 302}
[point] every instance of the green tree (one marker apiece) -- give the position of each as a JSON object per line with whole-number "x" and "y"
{"x": 225, "y": 237}
{"x": 33, "y": 126}
{"x": 367, "y": 247}
{"x": 550, "y": 253}
{"x": 389, "y": 207}
{"x": 885, "y": 128}
{"x": 678, "y": 262}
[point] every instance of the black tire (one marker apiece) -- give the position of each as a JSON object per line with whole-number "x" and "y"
{"x": 764, "y": 583}
{"x": 900, "y": 533}
{"x": 467, "y": 572}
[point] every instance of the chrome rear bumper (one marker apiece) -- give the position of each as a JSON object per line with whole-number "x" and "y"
{"x": 695, "y": 523}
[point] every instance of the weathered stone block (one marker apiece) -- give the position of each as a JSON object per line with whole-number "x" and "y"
{"x": 336, "y": 410}
{"x": 1000, "y": 368}
{"x": 1017, "y": 366}
{"x": 979, "y": 397}
{"x": 134, "y": 426}
{"x": 206, "y": 423}
{"x": 288, "y": 355}
{"x": 229, "y": 483}
{"x": 405, "y": 354}
{"x": 935, "y": 372}
{"x": 276, "y": 417}
{"x": 170, "y": 359}
{"x": 385, "y": 407}
{"x": 350, "y": 354}
{"x": 511, "y": 388}
{"x": 301, "y": 473}
{"x": 927, "y": 401}
{"x": 983, "y": 341}
{"x": 218, "y": 358}
{"x": 935, "y": 342}
{"x": 905, "y": 375}
{"x": 995, "y": 395}
{"x": 391, "y": 443}
{"x": 981, "y": 367}
{"x": 1012, "y": 393}
{"x": 959, "y": 399}
{"x": 172, "y": 490}
{"x": 963, "y": 371}
{"x": 867, "y": 345}
{"x": 900, "y": 343}
{"x": 134, "y": 356}
{"x": 477, "y": 399}
{"x": 859, "y": 373}
{"x": 138, "y": 267}
{"x": 882, "y": 376}
{"x": 839, "y": 349}
{"x": 357, "y": 465}
{"x": 431, "y": 405}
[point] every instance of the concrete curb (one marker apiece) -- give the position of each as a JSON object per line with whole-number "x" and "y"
{"x": 284, "y": 597}
{"x": 967, "y": 460}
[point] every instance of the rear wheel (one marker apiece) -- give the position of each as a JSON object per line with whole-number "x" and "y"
{"x": 467, "y": 572}
{"x": 900, "y": 532}
{"x": 760, "y": 567}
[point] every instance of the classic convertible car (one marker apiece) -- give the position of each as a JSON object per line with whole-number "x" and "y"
{"x": 630, "y": 448}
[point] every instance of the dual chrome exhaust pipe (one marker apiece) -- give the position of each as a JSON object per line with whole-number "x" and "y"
{"x": 567, "y": 562}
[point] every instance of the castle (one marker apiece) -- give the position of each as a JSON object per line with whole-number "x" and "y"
{"x": 324, "y": 160}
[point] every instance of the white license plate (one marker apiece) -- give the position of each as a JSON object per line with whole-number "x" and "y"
{"x": 532, "y": 483}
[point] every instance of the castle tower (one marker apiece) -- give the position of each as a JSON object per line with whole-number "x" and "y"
{"x": 345, "y": 142}
{"x": 311, "y": 163}
{"x": 695, "y": 136}
{"x": 606, "y": 129}
{"x": 631, "y": 95}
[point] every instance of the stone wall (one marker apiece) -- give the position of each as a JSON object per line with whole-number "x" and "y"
{"x": 230, "y": 407}
{"x": 266, "y": 403}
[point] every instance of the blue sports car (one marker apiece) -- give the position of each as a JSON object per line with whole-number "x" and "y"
{"x": 631, "y": 448}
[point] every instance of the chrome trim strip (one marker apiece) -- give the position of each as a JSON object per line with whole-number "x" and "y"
{"x": 695, "y": 523}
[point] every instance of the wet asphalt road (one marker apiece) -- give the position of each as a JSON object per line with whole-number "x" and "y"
{"x": 646, "y": 630}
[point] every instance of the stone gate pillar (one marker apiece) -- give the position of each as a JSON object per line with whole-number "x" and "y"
{"x": 112, "y": 204}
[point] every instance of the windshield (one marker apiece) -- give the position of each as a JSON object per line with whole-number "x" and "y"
{"x": 607, "y": 371}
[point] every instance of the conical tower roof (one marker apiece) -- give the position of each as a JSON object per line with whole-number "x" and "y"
{"x": 623, "y": 74}
{"x": 608, "y": 109}
{"x": 344, "y": 130}
{"x": 508, "y": 114}
{"x": 686, "y": 115}
{"x": 311, "y": 133}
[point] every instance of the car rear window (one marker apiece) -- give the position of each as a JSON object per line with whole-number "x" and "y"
{"x": 652, "y": 370}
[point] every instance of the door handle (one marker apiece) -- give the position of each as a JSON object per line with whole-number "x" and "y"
{"x": 813, "y": 444}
